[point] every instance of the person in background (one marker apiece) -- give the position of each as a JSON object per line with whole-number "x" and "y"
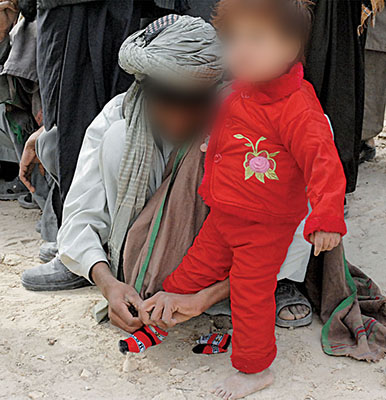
{"x": 375, "y": 86}
{"x": 12, "y": 140}
{"x": 335, "y": 66}
{"x": 21, "y": 116}
{"x": 77, "y": 69}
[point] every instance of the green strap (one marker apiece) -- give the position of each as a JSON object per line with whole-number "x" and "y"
{"x": 141, "y": 276}
{"x": 15, "y": 128}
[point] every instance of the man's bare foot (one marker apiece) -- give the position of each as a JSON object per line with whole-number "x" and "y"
{"x": 241, "y": 385}
{"x": 290, "y": 313}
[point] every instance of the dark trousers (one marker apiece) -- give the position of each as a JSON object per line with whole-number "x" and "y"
{"x": 78, "y": 70}
{"x": 335, "y": 66}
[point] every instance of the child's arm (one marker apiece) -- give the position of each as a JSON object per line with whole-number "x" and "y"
{"x": 309, "y": 138}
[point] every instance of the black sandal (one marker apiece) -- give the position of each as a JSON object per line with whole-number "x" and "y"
{"x": 287, "y": 294}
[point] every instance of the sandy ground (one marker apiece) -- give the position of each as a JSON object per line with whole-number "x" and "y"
{"x": 51, "y": 348}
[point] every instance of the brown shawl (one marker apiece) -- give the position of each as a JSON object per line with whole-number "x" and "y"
{"x": 184, "y": 214}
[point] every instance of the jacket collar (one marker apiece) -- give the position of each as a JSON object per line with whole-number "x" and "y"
{"x": 274, "y": 90}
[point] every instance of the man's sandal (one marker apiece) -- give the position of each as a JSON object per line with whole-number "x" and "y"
{"x": 287, "y": 294}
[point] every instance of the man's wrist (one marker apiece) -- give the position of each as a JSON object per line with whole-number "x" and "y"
{"x": 101, "y": 275}
{"x": 203, "y": 301}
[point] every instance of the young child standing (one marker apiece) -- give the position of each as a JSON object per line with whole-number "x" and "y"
{"x": 270, "y": 151}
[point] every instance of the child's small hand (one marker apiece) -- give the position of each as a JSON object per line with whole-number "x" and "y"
{"x": 325, "y": 241}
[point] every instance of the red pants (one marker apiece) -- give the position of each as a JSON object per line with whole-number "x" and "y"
{"x": 251, "y": 255}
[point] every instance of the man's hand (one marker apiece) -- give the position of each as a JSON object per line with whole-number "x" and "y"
{"x": 168, "y": 309}
{"x": 325, "y": 241}
{"x": 29, "y": 160}
{"x": 120, "y": 297}
{"x": 8, "y": 14}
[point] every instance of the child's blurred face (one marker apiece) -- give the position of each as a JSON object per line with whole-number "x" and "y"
{"x": 256, "y": 50}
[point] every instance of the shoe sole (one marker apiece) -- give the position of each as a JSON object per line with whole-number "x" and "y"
{"x": 78, "y": 284}
{"x": 29, "y": 206}
{"x": 12, "y": 196}
{"x": 46, "y": 258}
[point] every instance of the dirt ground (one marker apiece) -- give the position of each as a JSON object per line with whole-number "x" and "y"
{"x": 51, "y": 348}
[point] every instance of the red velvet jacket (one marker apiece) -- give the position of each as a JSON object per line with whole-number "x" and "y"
{"x": 269, "y": 144}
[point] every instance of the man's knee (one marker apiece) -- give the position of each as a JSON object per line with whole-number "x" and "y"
{"x": 46, "y": 151}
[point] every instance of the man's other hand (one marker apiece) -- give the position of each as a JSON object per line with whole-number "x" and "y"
{"x": 120, "y": 297}
{"x": 29, "y": 159}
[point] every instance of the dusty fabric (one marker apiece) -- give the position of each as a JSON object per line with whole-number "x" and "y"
{"x": 172, "y": 49}
{"x": 375, "y": 78}
{"x": 183, "y": 217}
{"x": 350, "y": 305}
{"x": 376, "y": 35}
{"x": 19, "y": 82}
{"x": 21, "y": 61}
{"x": 375, "y": 95}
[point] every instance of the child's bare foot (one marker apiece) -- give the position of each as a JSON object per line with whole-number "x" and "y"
{"x": 241, "y": 385}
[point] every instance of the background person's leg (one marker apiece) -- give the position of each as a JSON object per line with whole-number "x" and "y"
{"x": 335, "y": 66}
{"x": 375, "y": 101}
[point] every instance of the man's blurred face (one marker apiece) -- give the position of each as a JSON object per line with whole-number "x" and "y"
{"x": 178, "y": 121}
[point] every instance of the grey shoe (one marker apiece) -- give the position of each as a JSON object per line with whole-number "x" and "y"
{"x": 52, "y": 276}
{"x": 12, "y": 190}
{"x": 26, "y": 201}
{"x": 48, "y": 251}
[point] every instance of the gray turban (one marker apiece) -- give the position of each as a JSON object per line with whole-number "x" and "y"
{"x": 174, "y": 48}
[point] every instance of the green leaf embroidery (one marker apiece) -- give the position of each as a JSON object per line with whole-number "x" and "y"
{"x": 274, "y": 154}
{"x": 248, "y": 173}
{"x": 271, "y": 174}
{"x": 260, "y": 140}
{"x": 260, "y": 177}
{"x": 239, "y": 136}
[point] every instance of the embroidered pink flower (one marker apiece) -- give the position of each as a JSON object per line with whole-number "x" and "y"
{"x": 259, "y": 164}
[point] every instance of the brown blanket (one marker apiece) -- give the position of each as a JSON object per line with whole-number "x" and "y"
{"x": 349, "y": 304}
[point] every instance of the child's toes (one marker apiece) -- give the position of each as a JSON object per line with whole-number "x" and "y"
{"x": 228, "y": 396}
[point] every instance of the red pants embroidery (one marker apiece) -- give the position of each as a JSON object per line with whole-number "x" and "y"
{"x": 251, "y": 255}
